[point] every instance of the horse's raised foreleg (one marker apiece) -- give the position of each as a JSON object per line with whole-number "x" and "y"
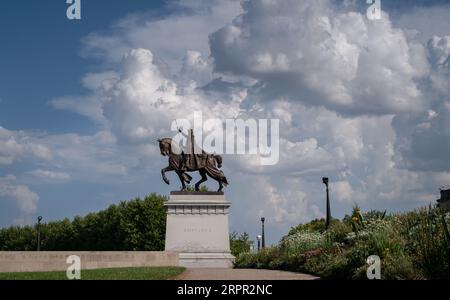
{"x": 163, "y": 173}
{"x": 203, "y": 179}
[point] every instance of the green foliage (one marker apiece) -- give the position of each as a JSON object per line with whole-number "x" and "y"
{"x": 239, "y": 243}
{"x": 414, "y": 245}
{"x": 261, "y": 260}
{"x": 375, "y": 215}
{"x": 246, "y": 260}
{"x": 338, "y": 232}
{"x": 143, "y": 273}
{"x": 143, "y": 224}
{"x": 399, "y": 267}
{"x": 133, "y": 225}
{"x": 357, "y": 219}
{"x": 304, "y": 241}
{"x": 315, "y": 225}
{"x": 329, "y": 265}
{"x": 428, "y": 241}
{"x": 23, "y": 239}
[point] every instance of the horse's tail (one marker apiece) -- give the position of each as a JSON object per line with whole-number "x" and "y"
{"x": 219, "y": 160}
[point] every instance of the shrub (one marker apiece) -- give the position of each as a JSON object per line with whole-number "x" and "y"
{"x": 415, "y": 245}
{"x": 20, "y": 238}
{"x": 399, "y": 267}
{"x": 304, "y": 241}
{"x": 428, "y": 241}
{"x": 318, "y": 225}
{"x": 338, "y": 232}
{"x": 266, "y": 256}
{"x": 265, "y": 259}
{"x": 246, "y": 261}
{"x": 330, "y": 265}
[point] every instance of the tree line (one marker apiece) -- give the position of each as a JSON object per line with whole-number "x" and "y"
{"x": 136, "y": 225}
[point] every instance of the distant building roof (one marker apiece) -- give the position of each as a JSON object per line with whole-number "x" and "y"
{"x": 445, "y": 196}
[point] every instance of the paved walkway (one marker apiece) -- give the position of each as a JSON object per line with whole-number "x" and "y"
{"x": 241, "y": 274}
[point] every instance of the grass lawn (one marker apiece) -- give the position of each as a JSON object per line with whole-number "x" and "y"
{"x": 154, "y": 273}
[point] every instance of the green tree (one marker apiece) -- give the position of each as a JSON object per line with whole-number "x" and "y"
{"x": 133, "y": 225}
{"x": 143, "y": 223}
{"x": 239, "y": 243}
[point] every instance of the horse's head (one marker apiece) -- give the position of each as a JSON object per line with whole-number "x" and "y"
{"x": 165, "y": 146}
{"x": 219, "y": 160}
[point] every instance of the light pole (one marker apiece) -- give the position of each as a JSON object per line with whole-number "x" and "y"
{"x": 259, "y": 238}
{"x": 39, "y": 233}
{"x": 325, "y": 181}
{"x": 263, "y": 244}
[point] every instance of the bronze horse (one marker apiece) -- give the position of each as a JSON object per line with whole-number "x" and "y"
{"x": 205, "y": 164}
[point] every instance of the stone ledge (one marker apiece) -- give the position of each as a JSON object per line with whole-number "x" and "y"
{"x": 197, "y": 199}
{"x": 222, "y": 260}
{"x": 56, "y": 261}
{"x": 195, "y": 209}
{"x": 175, "y": 193}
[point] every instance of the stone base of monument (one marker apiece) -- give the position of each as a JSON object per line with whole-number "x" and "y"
{"x": 197, "y": 228}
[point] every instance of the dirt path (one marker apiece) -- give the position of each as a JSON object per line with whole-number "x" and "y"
{"x": 241, "y": 274}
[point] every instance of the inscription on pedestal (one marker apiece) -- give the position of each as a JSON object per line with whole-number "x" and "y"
{"x": 198, "y": 230}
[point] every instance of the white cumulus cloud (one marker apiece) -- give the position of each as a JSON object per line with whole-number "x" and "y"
{"x": 309, "y": 52}
{"x": 26, "y": 199}
{"x": 51, "y": 175}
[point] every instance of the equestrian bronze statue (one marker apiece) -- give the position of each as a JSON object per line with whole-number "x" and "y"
{"x": 183, "y": 162}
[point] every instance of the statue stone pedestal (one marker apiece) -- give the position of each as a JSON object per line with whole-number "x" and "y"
{"x": 197, "y": 228}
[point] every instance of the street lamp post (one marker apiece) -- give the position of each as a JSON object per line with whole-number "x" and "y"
{"x": 39, "y": 233}
{"x": 325, "y": 181}
{"x": 259, "y": 238}
{"x": 263, "y": 233}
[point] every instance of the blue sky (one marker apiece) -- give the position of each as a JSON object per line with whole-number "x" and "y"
{"x": 40, "y": 50}
{"x": 74, "y": 93}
